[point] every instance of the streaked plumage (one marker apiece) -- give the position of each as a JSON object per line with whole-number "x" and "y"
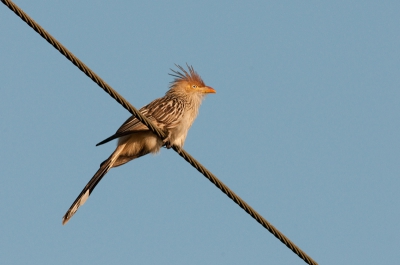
{"x": 174, "y": 113}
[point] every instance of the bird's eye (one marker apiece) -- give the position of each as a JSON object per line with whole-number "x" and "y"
{"x": 194, "y": 86}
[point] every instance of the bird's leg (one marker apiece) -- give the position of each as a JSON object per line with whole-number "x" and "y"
{"x": 167, "y": 141}
{"x": 168, "y": 145}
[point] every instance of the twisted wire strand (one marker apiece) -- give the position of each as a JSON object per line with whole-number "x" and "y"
{"x": 64, "y": 51}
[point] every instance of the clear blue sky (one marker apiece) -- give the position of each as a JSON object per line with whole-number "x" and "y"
{"x": 304, "y": 127}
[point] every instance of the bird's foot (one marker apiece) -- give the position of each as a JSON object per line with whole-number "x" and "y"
{"x": 167, "y": 143}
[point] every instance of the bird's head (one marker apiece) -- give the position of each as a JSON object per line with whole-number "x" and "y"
{"x": 189, "y": 82}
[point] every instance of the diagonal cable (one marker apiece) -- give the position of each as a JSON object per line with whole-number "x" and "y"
{"x": 64, "y": 51}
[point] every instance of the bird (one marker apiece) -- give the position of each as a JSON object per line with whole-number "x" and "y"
{"x": 174, "y": 113}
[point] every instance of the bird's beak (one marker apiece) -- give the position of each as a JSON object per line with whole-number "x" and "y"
{"x": 209, "y": 90}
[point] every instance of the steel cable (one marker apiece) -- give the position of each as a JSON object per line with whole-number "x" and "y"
{"x": 64, "y": 51}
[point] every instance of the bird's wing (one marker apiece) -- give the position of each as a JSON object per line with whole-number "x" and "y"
{"x": 165, "y": 113}
{"x": 132, "y": 124}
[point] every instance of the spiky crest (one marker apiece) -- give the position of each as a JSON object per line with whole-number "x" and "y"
{"x": 192, "y": 77}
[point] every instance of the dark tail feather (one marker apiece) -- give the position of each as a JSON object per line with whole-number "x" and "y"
{"x": 88, "y": 189}
{"x": 115, "y": 136}
{"x": 112, "y": 137}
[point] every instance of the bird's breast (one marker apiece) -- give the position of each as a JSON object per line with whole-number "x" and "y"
{"x": 179, "y": 133}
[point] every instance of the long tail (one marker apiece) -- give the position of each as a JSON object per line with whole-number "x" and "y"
{"x": 88, "y": 189}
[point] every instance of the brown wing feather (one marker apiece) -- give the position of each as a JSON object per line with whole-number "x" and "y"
{"x": 165, "y": 113}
